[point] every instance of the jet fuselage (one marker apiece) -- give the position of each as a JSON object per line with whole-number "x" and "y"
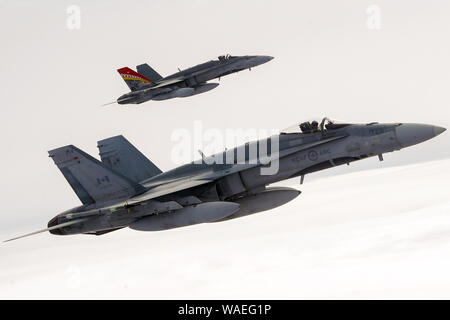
{"x": 192, "y": 81}
{"x": 300, "y": 153}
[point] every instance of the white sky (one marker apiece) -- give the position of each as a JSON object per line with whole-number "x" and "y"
{"x": 327, "y": 63}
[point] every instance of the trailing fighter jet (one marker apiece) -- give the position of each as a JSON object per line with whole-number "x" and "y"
{"x": 125, "y": 189}
{"x": 147, "y": 84}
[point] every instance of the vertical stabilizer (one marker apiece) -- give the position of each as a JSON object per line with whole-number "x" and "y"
{"x": 134, "y": 80}
{"x": 92, "y": 180}
{"x": 148, "y": 72}
{"x": 120, "y": 155}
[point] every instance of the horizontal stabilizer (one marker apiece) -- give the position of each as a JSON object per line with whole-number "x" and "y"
{"x": 121, "y": 156}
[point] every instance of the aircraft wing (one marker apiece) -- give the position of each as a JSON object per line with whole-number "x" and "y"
{"x": 162, "y": 188}
{"x": 167, "y": 82}
{"x": 168, "y": 187}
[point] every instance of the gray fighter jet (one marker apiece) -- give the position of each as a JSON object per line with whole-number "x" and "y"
{"x": 146, "y": 84}
{"x": 125, "y": 189}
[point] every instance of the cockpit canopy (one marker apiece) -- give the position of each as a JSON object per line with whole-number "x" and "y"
{"x": 313, "y": 126}
{"x": 225, "y": 57}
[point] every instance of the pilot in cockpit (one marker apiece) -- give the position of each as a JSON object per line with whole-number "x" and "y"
{"x": 305, "y": 127}
{"x": 309, "y": 127}
{"x": 224, "y": 57}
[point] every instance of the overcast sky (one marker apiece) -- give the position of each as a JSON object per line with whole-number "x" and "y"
{"x": 327, "y": 63}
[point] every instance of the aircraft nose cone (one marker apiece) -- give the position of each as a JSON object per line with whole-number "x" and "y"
{"x": 257, "y": 60}
{"x": 409, "y": 134}
{"x": 265, "y": 59}
{"x": 438, "y": 130}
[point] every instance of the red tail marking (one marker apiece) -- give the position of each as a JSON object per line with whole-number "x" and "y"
{"x": 129, "y": 71}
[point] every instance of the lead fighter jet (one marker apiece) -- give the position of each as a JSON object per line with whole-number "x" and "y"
{"x": 147, "y": 84}
{"x": 125, "y": 189}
